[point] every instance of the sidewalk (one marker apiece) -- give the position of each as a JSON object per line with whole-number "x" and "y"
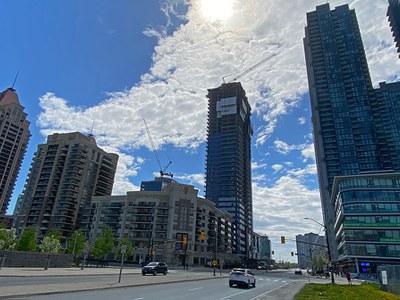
{"x": 130, "y": 277}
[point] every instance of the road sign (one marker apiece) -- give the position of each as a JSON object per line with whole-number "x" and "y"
{"x": 214, "y": 263}
{"x": 123, "y": 249}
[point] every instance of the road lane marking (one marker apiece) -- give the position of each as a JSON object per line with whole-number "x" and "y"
{"x": 233, "y": 295}
{"x": 195, "y": 289}
{"x": 270, "y": 291}
{"x": 139, "y": 298}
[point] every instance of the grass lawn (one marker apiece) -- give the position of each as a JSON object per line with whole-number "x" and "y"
{"x": 365, "y": 291}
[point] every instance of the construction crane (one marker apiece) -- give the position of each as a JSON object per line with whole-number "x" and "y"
{"x": 249, "y": 69}
{"x": 162, "y": 170}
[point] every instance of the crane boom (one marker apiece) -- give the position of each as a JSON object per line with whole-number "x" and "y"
{"x": 252, "y": 67}
{"x": 162, "y": 170}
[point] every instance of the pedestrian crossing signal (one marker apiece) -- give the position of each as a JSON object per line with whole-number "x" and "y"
{"x": 283, "y": 241}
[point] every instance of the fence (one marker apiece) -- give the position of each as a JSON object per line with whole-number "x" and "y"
{"x": 21, "y": 259}
{"x": 389, "y": 278}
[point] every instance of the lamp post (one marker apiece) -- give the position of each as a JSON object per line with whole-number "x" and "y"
{"x": 327, "y": 245}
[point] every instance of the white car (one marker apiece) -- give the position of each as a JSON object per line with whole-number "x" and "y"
{"x": 242, "y": 277}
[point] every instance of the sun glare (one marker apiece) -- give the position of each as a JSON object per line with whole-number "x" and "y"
{"x": 217, "y": 9}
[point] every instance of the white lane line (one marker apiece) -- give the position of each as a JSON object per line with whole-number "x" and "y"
{"x": 195, "y": 289}
{"x": 270, "y": 291}
{"x": 233, "y": 295}
{"x": 139, "y": 298}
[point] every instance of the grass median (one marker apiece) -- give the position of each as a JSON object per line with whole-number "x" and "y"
{"x": 365, "y": 291}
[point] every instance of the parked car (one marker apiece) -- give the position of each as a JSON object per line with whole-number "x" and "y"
{"x": 242, "y": 277}
{"x": 155, "y": 268}
{"x": 298, "y": 272}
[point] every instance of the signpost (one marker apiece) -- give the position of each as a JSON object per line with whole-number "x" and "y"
{"x": 123, "y": 251}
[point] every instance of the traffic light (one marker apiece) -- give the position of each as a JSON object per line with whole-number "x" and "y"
{"x": 292, "y": 253}
{"x": 273, "y": 252}
{"x": 202, "y": 235}
{"x": 282, "y": 239}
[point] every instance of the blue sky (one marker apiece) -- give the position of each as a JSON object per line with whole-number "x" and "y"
{"x": 116, "y": 62}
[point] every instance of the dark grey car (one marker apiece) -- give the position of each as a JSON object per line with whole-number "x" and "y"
{"x": 155, "y": 268}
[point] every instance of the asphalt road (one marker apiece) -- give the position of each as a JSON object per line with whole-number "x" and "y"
{"x": 196, "y": 290}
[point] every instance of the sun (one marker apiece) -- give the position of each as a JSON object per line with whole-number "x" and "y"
{"x": 215, "y": 10}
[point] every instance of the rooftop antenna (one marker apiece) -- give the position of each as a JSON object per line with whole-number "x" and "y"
{"x": 15, "y": 80}
{"x": 91, "y": 129}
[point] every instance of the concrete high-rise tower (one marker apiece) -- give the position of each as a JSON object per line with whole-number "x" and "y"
{"x": 14, "y": 138}
{"x": 65, "y": 173}
{"x": 228, "y": 171}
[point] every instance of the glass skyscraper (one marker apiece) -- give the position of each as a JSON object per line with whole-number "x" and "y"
{"x": 354, "y": 125}
{"x": 228, "y": 170}
{"x": 393, "y": 14}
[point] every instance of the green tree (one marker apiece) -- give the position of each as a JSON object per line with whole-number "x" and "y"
{"x": 50, "y": 245}
{"x": 104, "y": 243}
{"x": 28, "y": 240}
{"x": 54, "y": 233}
{"x": 129, "y": 249}
{"x": 8, "y": 238}
{"x": 76, "y": 243}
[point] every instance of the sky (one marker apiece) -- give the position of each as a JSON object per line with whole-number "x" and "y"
{"x": 112, "y": 63}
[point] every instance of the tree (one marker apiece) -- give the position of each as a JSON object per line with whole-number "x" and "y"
{"x": 129, "y": 249}
{"x": 8, "y": 239}
{"x": 50, "y": 245}
{"x": 28, "y": 240}
{"x": 104, "y": 243}
{"x": 76, "y": 243}
{"x": 54, "y": 233}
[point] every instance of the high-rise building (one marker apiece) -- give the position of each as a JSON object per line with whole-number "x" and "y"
{"x": 172, "y": 224}
{"x": 14, "y": 138}
{"x": 393, "y": 14}
{"x": 354, "y": 126}
{"x": 309, "y": 245}
{"x": 65, "y": 173}
{"x": 228, "y": 170}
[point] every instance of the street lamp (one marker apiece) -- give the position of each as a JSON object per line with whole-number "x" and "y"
{"x": 327, "y": 245}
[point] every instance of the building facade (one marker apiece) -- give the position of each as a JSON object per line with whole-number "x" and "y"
{"x": 228, "y": 169}
{"x": 309, "y": 245}
{"x": 265, "y": 251}
{"x": 355, "y": 127}
{"x": 172, "y": 225}
{"x": 367, "y": 223}
{"x": 65, "y": 173}
{"x": 393, "y": 14}
{"x": 14, "y": 138}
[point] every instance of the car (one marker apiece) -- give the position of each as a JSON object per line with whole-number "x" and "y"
{"x": 298, "y": 272}
{"x": 155, "y": 268}
{"x": 242, "y": 277}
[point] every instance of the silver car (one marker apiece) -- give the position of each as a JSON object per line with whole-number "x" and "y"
{"x": 242, "y": 277}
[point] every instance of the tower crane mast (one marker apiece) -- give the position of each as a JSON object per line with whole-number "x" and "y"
{"x": 162, "y": 170}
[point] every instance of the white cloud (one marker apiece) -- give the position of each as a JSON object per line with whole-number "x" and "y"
{"x": 308, "y": 152}
{"x": 283, "y": 147}
{"x": 257, "y": 165}
{"x": 301, "y": 120}
{"x": 277, "y": 168}
{"x": 192, "y": 178}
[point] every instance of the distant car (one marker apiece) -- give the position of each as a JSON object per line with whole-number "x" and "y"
{"x": 298, "y": 272}
{"x": 242, "y": 277}
{"x": 155, "y": 268}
